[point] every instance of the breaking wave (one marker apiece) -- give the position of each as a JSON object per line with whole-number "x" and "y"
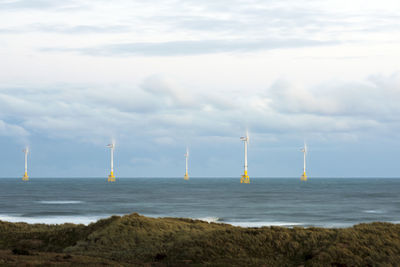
{"x": 262, "y": 224}
{"x": 248, "y": 224}
{"x": 52, "y": 220}
{"x": 59, "y": 202}
{"x": 210, "y": 219}
{"x": 373, "y": 211}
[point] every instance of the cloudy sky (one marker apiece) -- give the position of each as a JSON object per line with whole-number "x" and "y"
{"x": 159, "y": 75}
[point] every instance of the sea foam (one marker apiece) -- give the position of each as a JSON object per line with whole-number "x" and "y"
{"x": 209, "y": 219}
{"x": 52, "y": 220}
{"x": 373, "y": 211}
{"x": 59, "y": 202}
{"x": 262, "y": 224}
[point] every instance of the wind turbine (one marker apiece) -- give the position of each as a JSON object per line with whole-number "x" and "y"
{"x": 304, "y": 150}
{"x": 245, "y": 178}
{"x": 111, "y": 177}
{"x": 26, "y": 177}
{"x": 186, "y": 177}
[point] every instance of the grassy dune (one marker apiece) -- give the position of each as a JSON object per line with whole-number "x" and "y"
{"x": 138, "y": 240}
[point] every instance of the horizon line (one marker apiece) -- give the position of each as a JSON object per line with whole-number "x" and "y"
{"x": 207, "y": 177}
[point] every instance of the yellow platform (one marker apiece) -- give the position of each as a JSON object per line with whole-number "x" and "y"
{"x": 245, "y": 178}
{"x": 186, "y": 177}
{"x": 111, "y": 177}
{"x": 26, "y": 177}
{"x": 303, "y": 177}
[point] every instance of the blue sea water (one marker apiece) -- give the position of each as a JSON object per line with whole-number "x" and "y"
{"x": 265, "y": 202}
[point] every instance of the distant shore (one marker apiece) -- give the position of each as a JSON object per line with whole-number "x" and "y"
{"x": 139, "y": 240}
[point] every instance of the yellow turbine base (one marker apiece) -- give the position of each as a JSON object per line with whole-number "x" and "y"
{"x": 26, "y": 177}
{"x": 186, "y": 177}
{"x": 245, "y": 178}
{"x": 111, "y": 177}
{"x": 303, "y": 177}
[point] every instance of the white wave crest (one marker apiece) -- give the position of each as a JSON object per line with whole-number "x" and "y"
{"x": 53, "y": 220}
{"x": 60, "y": 202}
{"x": 373, "y": 211}
{"x": 262, "y": 224}
{"x": 209, "y": 219}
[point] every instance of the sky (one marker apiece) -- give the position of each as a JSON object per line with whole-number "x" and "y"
{"x": 156, "y": 76}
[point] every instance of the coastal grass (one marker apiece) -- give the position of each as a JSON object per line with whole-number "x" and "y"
{"x": 137, "y": 240}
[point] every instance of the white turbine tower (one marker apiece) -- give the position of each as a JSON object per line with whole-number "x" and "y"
{"x": 111, "y": 177}
{"x": 26, "y": 177}
{"x": 245, "y": 178}
{"x": 186, "y": 177}
{"x": 304, "y": 150}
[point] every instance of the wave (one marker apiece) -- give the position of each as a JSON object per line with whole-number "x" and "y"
{"x": 209, "y": 219}
{"x": 373, "y": 211}
{"x": 241, "y": 224}
{"x": 60, "y": 202}
{"x": 81, "y": 219}
{"x": 53, "y": 220}
{"x": 262, "y": 224}
{"x": 306, "y": 225}
{"x": 334, "y": 225}
{"x": 248, "y": 224}
{"x": 291, "y": 224}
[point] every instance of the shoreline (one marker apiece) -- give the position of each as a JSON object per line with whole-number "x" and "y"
{"x": 87, "y": 220}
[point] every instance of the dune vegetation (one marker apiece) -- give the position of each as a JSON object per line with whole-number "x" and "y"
{"x": 138, "y": 240}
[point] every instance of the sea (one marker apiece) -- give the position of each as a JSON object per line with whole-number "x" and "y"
{"x": 289, "y": 202}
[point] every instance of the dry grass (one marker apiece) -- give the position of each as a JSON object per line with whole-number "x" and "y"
{"x": 136, "y": 239}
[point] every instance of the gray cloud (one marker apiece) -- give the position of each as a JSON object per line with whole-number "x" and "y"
{"x": 256, "y": 20}
{"x": 7, "y": 129}
{"x": 180, "y": 48}
{"x": 81, "y": 29}
{"x": 160, "y": 114}
{"x": 242, "y": 25}
{"x": 36, "y": 4}
{"x": 298, "y": 19}
{"x": 12, "y": 30}
{"x": 64, "y": 29}
{"x": 163, "y": 109}
{"x": 152, "y": 120}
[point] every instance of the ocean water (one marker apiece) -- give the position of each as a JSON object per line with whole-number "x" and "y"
{"x": 265, "y": 202}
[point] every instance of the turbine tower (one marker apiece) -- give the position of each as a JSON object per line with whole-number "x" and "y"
{"x": 26, "y": 177}
{"x": 304, "y": 150}
{"x": 245, "y": 178}
{"x": 186, "y": 177}
{"x": 111, "y": 177}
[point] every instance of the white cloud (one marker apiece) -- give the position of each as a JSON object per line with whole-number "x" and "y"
{"x": 172, "y": 93}
{"x": 373, "y": 98}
